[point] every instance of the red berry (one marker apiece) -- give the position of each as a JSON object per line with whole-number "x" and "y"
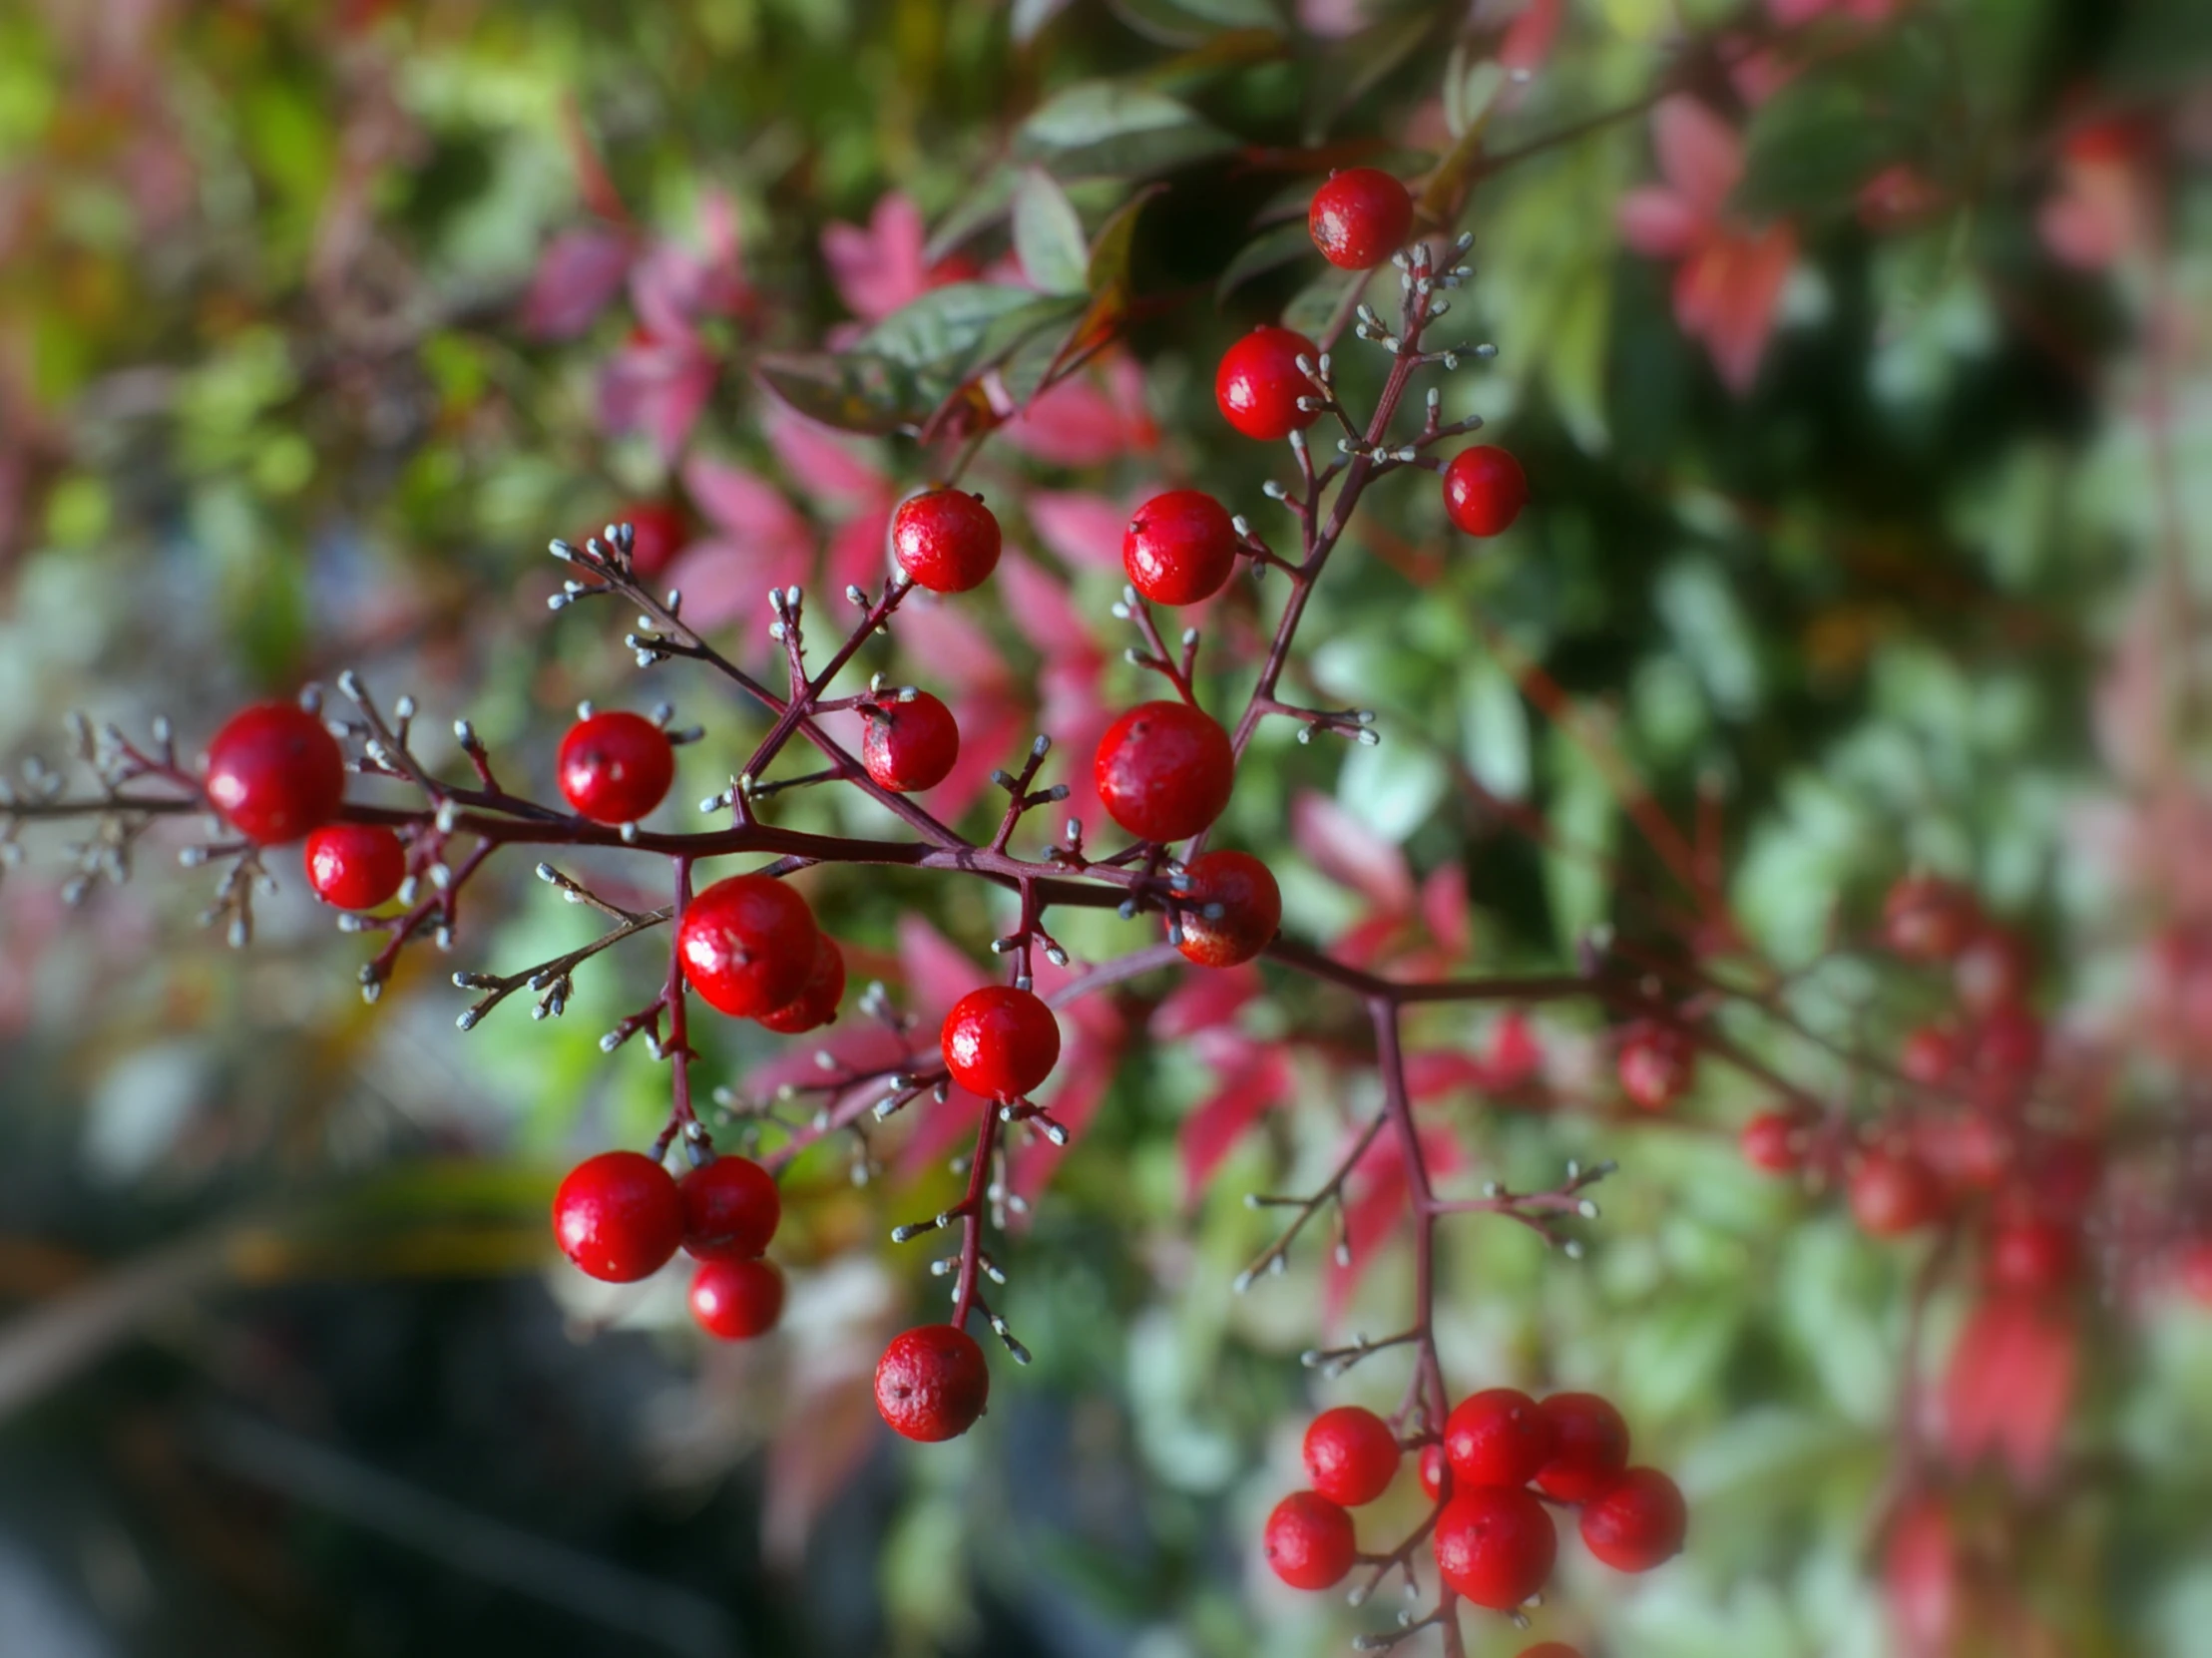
{"x": 656, "y": 535}
{"x": 1485, "y": 490}
{"x": 1592, "y": 1448}
{"x": 619, "y": 1216}
{"x": 616, "y": 767}
{"x": 735, "y": 1301}
{"x": 1773, "y": 1143}
{"x": 1259, "y": 383}
{"x": 1891, "y": 1193}
{"x": 1309, "y": 1541}
{"x": 1638, "y": 1523}
{"x": 932, "y": 1382}
{"x": 1494, "y": 1545}
{"x": 2007, "y": 1044}
{"x": 945, "y": 540}
{"x": 1659, "y": 1063}
{"x": 1927, "y": 918}
{"x": 2034, "y": 1255}
{"x": 1180, "y": 548}
{"x": 1000, "y": 1042}
{"x": 356, "y": 866}
{"x": 2192, "y": 1268}
{"x": 1164, "y": 771}
{"x": 275, "y": 772}
{"x": 1499, "y": 1437}
{"x": 1351, "y": 1455}
{"x": 908, "y": 746}
{"x": 1241, "y": 887}
{"x": 731, "y": 1208}
{"x": 1969, "y": 1153}
{"x": 1928, "y": 1056}
{"x": 1995, "y": 969}
{"x": 1432, "y": 1469}
{"x": 815, "y": 1006}
{"x": 747, "y": 944}
{"x": 1360, "y": 218}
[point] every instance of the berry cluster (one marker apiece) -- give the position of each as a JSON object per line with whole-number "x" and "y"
{"x": 1500, "y": 1457}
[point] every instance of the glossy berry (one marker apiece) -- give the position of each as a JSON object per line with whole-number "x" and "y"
{"x": 1351, "y": 1455}
{"x": 932, "y": 1382}
{"x": 1233, "y": 910}
{"x": 1773, "y": 1143}
{"x": 275, "y": 772}
{"x": 1638, "y": 1522}
{"x": 619, "y": 1216}
{"x": 735, "y": 1301}
{"x": 1432, "y": 1469}
{"x": 1360, "y": 218}
{"x": 1494, "y": 1545}
{"x": 1927, "y": 918}
{"x": 1659, "y": 1063}
{"x": 945, "y": 540}
{"x": 731, "y": 1208}
{"x": 1892, "y": 1192}
{"x": 2034, "y": 1255}
{"x": 910, "y": 744}
{"x": 1180, "y": 548}
{"x": 1309, "y": 1541}
{"x": 1164, "y": 771}
{"x": 616, "y": 767}
{"x": 1499, "y": 1437}
{"x": 1000, "y": 1042}
{"x": 815, "y": 1006}
{"x": 656, "y": 535}
{"x": 1259, "y": 383}
{"x": 1591, "y": 1448}
{"x": 1485, "y": 490}
{"x": 747, "y": 944}
{"x": 356, "y": 866}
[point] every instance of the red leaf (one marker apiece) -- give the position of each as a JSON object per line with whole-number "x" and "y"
{"x": 1443, "y": 910}
{"x": 2010, "y": 1384}
{"x": 1044, "y": 609}
{"x": 1920, "y": 1573}
{"x": 938, "y": 972}
{"x": 1260, "y": 1078}
{"x": 1206, "y": 999}
{"x": 578, "y": 276}
{"x": 1351, "y": 854}
{"x": 1078, "y": 529}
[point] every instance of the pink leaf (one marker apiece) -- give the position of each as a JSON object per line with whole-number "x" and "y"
{"x": 1206, "y": 999}
{"x": 578, "y": 275}
{"x": 1727, "y": 293}
{"x": 1920, "y": 1573}
{"x": 993, "y": 731}
{"x": 951, "y": 644}
{"x": 745, "y": 506}
{"x": 1077, "y": 529}
{"x": 1042, "y": 608}
{"x": 1071, "y": 424}
{"x": 1700, "y": 155}
{"x": 659, "y": 389}
{"x": 938, "y": 972}
{"x": 1658, "y": 224}
{"x": 1527, "y": 41}
{"x": 879, "y": 268}
{"x": 1443, "y": 910}
{"x": 1351, "y": 854}
{"x": 860, "y": 553}
{"x": 1515, "y": 1058}
{"x": 820, "y": 461}
{"x": 1211, "y": 1130}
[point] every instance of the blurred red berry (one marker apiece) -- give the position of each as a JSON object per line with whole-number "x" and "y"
{"x": 1994, "y": 970}
{"x": 932, "y": 1382}
{"x": 1773, "y": 1143}
{"x": 1638, "y": 1522}
{"x": 1309, "y": 1541}
{"x": 1927, "y": 918}
{"x": 1891, "y": 1193}
{"x": 945, "y": 540}
{"x": 275, "y": 772}
{"x": 616, "y": 767}
{"x": 1499, "y": 1437}
{"x": 1658, "y": 1064}
{"x": 1164, "y": 771}
{"x": 735, "y": 1301}
{"x": 1180, "y": 548}
{"x": 1259, "y": 383}
{"x": 1494, "y": 1545}
{"x": 909, "y": 745}
{"x": 656, "y": 535}
{"x": 1232, "y": 911}
{"x": 1928, "y": 1056}
{"x": 618, "y": 1216}
{"x": 356, "y": 866}
{"x": 747, "y": 944}
{"x": 1591, "y": 1448}
{"x": 1485, "y": 490}
{"x": 731, "y": 1208}
{"x": 1001, "y": 1042}
{"x": 2035, "y": 1255}
{"x": 1359, "y": 216}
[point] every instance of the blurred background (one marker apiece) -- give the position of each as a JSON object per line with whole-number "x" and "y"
{"x": 1856, "y": 351}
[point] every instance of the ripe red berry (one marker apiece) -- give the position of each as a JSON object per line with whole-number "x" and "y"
{"x": 1351, "y": 1455}
{"x": 731, "y": 1208}
{"x": 1249, "y": 904}
{"x": 735, "y": 1301}
{"x": 1000, "y": 1042}
{"x": 1164, "y": 771}
{"x": 1494, "y": 1545}
{"x": 945, "y": 540}
{"x": 1591, "y": 1449}
{"x": 1659, "y": 1063}
{"x": 1259, "y": 383}
{"x": 616, "y": 767}
{"x": 747, "y": 944}
{"x": 1485, "y": 490}
{"x": 932, "y": 1382}
{"x": 275, "y": 772}
{"x": 619, "y": 1216}
{"x": 1891, "y": 1193}
{"x": 2035, "y": 1255}
{"x": 1927, "y": 918}
{"x": 908, "y": 746}
{"x": 1432, "y": 1469}
{"x": 1499, "y": 1437}
{"x": 1309, "y": 1541}
{"x": 1359, "y": 216}
{"x": 1773, "y": 1143}
{"x": 815, "y": 1006}
{"x": 1638, "y": 1522}
{"x": 1180, "y": 548}
{"x": 656, "y": 535}
{"x": 356, "y": 866}
{"x": 1928, "y": 1056}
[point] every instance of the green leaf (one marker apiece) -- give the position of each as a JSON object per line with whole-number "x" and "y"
{"x": 1351, "y": 69}
{"x": 945, "y": 326}
{"x": 854, "y": 392}
{"x": 1277, "y": 245}
{"x": 1108, "y": 265}
{"x": 1048, "y": 237}
{"x": 1110, "y": 130}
